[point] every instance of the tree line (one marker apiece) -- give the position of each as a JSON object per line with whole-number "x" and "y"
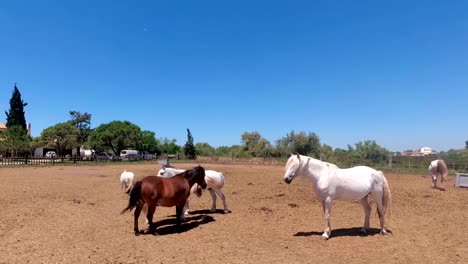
{"x": 118, "y": 135}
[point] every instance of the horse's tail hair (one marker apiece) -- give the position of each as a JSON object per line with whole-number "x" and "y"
{"x": 442, "y": 169}
{"x": 387, "y": 195}
{"x": 135, "y": 195}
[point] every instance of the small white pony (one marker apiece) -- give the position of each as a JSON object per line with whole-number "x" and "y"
{"x": 214, "y": 181}
{"x": 438, "y": 168}
{"x": 332, "y": 183}
{"x": 127, "y": 180}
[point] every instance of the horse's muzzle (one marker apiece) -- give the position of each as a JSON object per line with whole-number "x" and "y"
{"x": 287, "y": 180}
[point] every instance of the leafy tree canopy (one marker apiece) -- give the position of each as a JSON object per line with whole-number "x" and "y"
{"x": 61, "y": 136}
{"x": 115, "y": 136}
{"x": 83, "y": 123}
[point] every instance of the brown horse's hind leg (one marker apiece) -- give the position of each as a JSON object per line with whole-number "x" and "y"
{"x": 149, "y": 216}
{"x": 136, "y": 215}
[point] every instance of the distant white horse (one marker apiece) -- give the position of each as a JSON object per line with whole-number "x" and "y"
{"x": 438, "y": 168}
{"x": 332, "y": 183}
{"x": 127, "y": 180}
{"x": 214, "y": 181}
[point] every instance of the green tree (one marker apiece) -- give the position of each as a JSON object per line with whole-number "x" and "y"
{"x": 369, "y": 150}
{"x": 204, "y": 149}
{"x": 225, "y": 151}
{"x": 255, "y": 145}
{"x": 61, "y": 136}
{"x": 15, "y": 140}
{"x": 302, "y": 143}
{"x": 466, "y": 144}
{"x": 83, "y": 123}
{"x": 15, "y": 117}
{"x": 326, "y": 153}
{"x": 189, "y": 148}
{"x": 115, "y": 136}
{"x": 150, "y": 143}
{"x": 169, "y": 146}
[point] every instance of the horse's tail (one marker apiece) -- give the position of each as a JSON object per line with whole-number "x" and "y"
{"x": 135, "y": 195}
{"x": 387, "y": 195}
{"x": 442, "y": 169}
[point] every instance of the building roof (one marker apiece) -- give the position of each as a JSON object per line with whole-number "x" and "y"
{"x": 2, "y": 126}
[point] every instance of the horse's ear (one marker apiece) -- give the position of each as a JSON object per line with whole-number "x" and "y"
{"x": 298, "y": 156}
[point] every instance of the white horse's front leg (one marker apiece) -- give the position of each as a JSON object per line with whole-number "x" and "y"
{"x": 434, "y": 181}
{"x": 327, "y": 205}
{"x": 186, "y": 210}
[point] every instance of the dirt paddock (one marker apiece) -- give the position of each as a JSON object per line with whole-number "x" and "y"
{"x": 72, "y": 215}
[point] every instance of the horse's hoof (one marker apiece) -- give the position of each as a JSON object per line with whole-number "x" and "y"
{"x": 324, "y": 237}
{"x": 383, "y": 232}
{"x": 227, "y": 211}
{"x": 363, "y": 231}
{"x": 137, "y": 233}
{"x": 213, "y": 210}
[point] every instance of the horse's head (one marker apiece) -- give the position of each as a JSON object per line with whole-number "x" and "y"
{"x": 292, "y": 167}
{"x": 197, "y": 175}
{"x": 161, "y": 171}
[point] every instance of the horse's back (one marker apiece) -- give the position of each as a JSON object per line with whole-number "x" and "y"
{"x": 356, "y": 182}
{"x": 127, "y": 176}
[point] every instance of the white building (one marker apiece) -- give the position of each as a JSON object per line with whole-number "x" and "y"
{"x": 425, "y": 151}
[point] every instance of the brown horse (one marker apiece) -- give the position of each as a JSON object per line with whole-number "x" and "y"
{"x": 157, "y": 191}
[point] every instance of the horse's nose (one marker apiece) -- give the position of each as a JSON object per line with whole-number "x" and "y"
{"x": 287, "y": 180}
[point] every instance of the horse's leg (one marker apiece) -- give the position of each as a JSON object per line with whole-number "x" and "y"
{"x": 220, "y": 193}
{"x": 327, "y": 206}
{"x": 179, "y": 214}
{"x": 442, "y": 182}
{"x": 434, "y": 181}
{"x": 367, "y": 210}
{"x": 380, "y": 209}
{"x": 186, "y": 208}
{"x": 149, "y": 217}
{"x": 136, "y": 214}
{"x": 213, "y": 203}
{"x": 129, "y": 186}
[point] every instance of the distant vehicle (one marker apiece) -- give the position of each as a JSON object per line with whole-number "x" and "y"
{"x": 146, "y": 155}
{"x": 129, "y": 153}
{"x": 104, "y": 156}
{"x": 50, "y": 154}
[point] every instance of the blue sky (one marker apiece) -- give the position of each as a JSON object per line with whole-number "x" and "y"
{"x": 391, "y": 71}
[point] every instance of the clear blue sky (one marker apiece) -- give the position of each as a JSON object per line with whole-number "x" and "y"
{"x": 391, "y": 71}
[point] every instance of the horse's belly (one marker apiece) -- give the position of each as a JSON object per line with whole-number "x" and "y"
{"x": 167, "y": 202}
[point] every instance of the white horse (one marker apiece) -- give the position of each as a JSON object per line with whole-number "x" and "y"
{"x": 438, "y": 168}
{"x": 214, "y": 181}
{"x": 332, "y": 183}
{"x": 127, "y": 180}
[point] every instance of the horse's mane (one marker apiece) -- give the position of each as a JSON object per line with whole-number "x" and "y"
{"x": 191, "y": 174}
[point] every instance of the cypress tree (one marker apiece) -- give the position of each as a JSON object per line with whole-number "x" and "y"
{"x": 189, "y": 148}
{"x": 15, "y": 117}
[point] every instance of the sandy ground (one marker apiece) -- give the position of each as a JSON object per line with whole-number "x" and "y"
{"x": 72, "y": 215}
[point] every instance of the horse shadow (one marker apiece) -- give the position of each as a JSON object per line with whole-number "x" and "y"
{"x": 206, "y": 211}
{"x": 342, "y": 232}
{"x": 169, "y": 226}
